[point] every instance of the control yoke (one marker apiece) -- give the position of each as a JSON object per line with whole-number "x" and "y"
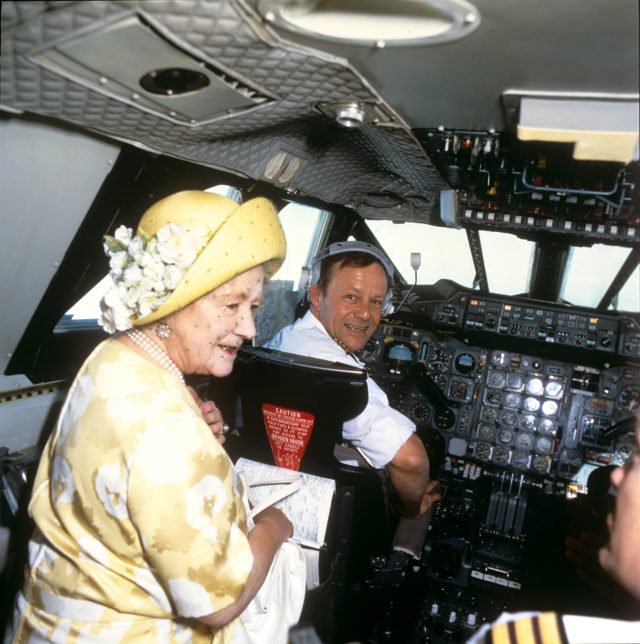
{"x": 420, "y": 377}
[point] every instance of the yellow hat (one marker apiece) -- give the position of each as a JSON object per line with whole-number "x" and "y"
{"x": 239, "y": 238}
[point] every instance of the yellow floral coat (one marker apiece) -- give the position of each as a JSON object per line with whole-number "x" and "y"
{"x": 140, "y": 525}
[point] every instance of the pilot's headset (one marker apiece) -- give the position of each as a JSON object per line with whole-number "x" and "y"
{"x": 339, "y": 248}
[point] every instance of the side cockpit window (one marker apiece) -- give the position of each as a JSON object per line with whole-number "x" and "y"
{"x": 83, "y": 315}
{"x": 303, "y": 228}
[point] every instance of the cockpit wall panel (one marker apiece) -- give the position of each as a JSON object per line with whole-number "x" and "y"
{"x": 50, "y": 177}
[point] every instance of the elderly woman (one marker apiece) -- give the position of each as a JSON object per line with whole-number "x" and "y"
{"x": 141, "y": 532}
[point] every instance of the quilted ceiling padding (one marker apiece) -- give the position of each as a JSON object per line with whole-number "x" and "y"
{"x": 334, "y": 164}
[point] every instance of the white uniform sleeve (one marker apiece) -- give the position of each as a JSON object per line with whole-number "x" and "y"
{"x": 379, "y": 431}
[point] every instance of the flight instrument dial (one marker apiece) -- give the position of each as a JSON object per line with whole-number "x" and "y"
{"x": 630, "y": 397}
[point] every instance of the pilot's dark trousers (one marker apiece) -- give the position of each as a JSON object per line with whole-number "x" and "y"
{"x": 410, "y": 534}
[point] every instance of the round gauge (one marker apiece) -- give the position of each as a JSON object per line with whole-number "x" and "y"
{"x": 528, "y": 421}
{"x": 440, "y": 379}
{"x": 531, "y": 404}
{"x": 520, "y": 460}
{"x": 512, "y": 400}
{"x": 541, "y": 463}
{"x": 534, "y": 386}
{"x": 439, "y": 360}
{"x": 514, "y": 381}
{"x": 549, "y": 407}
{"x": 486, "y": 433}
{"x": 524, "y": 441}
{"x": 629, "y": 397}
{"x": 420, "y": 413}
{"x": 465, "y": 363}
{"x": 501, "y": 455}
{"x": 544, "y": 445}
{"x": 509, "y": 418}
{"x": 494, "y": 397}
{"x": 483, "y": 451}
{"x": 553, "y": 389}
{"x": 500, "y": 357}
{"x": 547, "y": 426}
{"x": 490, "y": 414}
{"x": 495, "y": 379}
{"x": 400, "y": 353}
{"x": 505, "y": 436}
{"x": 445, "y": 419}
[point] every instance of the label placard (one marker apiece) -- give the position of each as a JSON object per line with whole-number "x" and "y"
{"x": 288, "y": 431}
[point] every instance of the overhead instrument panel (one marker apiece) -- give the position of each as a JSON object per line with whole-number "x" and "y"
{"x": 506, "y": 184}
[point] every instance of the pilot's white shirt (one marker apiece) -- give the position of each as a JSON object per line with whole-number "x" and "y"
{"x": 379, "y": 431}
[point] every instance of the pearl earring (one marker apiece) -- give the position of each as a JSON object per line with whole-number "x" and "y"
{"x": 163, "y": 330}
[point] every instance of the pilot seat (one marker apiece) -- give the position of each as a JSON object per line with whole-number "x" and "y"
{"x": 322, "y": 395}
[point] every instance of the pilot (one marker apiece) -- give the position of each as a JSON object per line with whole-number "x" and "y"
{"x": 617, "y": 577}
{"x": 350, "y": 290}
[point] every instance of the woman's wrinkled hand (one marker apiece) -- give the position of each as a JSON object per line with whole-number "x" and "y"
{"x": 211, "y": 415}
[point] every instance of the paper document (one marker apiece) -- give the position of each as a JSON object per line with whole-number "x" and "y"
{"x": 307, "y": 508}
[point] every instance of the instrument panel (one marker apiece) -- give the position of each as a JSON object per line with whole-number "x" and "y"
{"x": 526, "y": 424}
{"x": 509, "y": 410}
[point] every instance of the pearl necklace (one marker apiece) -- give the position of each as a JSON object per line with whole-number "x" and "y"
{"x": 156, "y": 352}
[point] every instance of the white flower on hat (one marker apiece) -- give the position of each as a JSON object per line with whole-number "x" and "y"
{"x": 149, "y": 302}
{"x": 153, "y": 274}
{"x": 136, "y": 249}
{"x": 172, "y": 276}
{"x": 123, "y": 234}
{"x": 118, "y": 262}
{"x": 132, "y": 274}
{"x": 114, "y": 313}
{"x": 145, "y": 270}
{"x": 177, "y": 245}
